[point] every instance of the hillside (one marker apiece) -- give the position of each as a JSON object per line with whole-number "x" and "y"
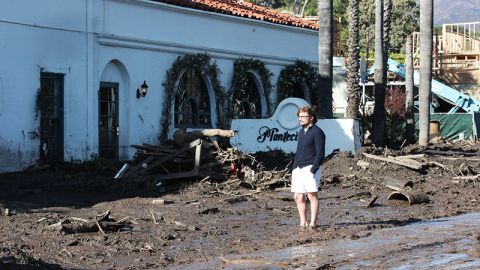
{"x": 448, "y": 11}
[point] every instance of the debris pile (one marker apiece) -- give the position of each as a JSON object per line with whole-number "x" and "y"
{"x": 199, "y": 155}
{"x": 453, "y": 162}
{"x": 187, "y": 155}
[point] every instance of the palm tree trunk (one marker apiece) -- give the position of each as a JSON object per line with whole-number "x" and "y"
{"x": 296, "y": 7}
{"x": 409, "y": 116}
{"x": 325, "y": 57}
{"x": 353, "y": 88}
{"x": 379, "y": 109}
{"x": 426, "y": 36}
{"x": 387, "y": 21}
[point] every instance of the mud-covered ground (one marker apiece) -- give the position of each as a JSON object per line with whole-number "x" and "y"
{"x": 49, "y": 217}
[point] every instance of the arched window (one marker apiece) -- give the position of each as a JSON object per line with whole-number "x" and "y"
{"x": 247, "y": 101}
{"x": 192, "y": 103}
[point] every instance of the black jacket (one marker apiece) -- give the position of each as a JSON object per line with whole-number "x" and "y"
{"x": 310, "y": 148}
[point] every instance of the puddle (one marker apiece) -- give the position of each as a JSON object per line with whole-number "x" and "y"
{"x": 446, "y": 243}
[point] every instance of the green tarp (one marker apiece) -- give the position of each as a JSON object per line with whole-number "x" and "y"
{"x": 454, "y": 126}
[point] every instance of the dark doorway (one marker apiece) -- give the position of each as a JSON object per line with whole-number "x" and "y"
{"x": 108, "y": 121}
{"x": 50, "y": 104}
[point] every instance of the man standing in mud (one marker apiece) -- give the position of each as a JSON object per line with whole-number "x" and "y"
{"x": 307, "y": 165}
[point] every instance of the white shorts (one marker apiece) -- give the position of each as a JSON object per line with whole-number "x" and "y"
{"x": 304, "y": 181}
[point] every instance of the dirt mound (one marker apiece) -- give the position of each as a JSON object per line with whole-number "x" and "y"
{"x": 204, "y": 219}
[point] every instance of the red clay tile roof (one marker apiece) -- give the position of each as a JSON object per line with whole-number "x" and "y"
{"x": 244, "y": 9}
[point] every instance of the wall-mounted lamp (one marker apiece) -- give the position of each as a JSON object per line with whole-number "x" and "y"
{"x": 142, "y": 91}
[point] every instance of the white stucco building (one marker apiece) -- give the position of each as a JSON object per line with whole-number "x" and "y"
{"x": 70, "y": 70}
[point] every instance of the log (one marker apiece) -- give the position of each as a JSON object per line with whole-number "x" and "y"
{"x": 181, "y": 137}
{"x": 213, "y": 132}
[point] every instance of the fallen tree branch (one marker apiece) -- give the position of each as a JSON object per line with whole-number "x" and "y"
{"x": 100, "y": 228}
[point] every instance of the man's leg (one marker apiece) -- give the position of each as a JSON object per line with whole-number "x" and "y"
{"x": 302, "y": 208}
{"x": 313, "y": 198}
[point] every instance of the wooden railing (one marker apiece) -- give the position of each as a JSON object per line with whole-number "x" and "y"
{"x": 458, "y": 47}
{"x": 461, "y": 37}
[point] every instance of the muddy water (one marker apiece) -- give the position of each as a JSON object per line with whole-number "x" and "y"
{"x": 446, "y": 243}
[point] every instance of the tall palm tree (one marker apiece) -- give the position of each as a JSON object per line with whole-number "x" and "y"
{"x": 353, "y": 88}
{"x": 409, "y": 116}
{"x": 325, "y": 56}
{"x": 426, "y": 45}
{"x": 387, "y": 22}
{"x": 379, "y": 109}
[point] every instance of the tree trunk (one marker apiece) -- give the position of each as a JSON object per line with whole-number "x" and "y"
{"x": 426, "y": 27}
{"x": 303, "y": 8}
{"x": 325, "y": 57}
{"x": 379, "y": 110}
{"x": 353, "y": 88}
{"x": 409, "y": 116}
{"x": 296, "y": 7}
{"x": 387, "y": 21}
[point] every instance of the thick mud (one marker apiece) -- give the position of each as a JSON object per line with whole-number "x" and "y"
{"x": 45, "y": 215}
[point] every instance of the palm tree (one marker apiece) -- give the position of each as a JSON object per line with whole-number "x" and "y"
{"x": 325, "y": 56}
{"x": 426, "y": 45}
{"x": 379, "y": 109}
{"x": 387, "y": 21}
{"x": 353, "y": 88}
{"x": 409, "y": 116}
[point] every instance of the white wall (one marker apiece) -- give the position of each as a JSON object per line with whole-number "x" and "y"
{"x": 79, "y": 38}
{"x": 39, "y": 38}
{"x": 172, "y": 25}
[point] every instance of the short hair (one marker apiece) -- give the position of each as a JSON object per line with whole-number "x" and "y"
{"x": 310, "y": 111}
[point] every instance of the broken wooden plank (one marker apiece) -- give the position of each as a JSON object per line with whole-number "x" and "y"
{"x": 395, "y": 161}
{"x": 357, "y": 194}
{"x": 438, "y": 164}
{"x": 398, "y": 184}
{"x": 370, "y": 202}
{"x": 413, "y": 156}
{"x": 121, "y": 172}
{"x": 449, "y": 153}
{"x": 135, "y": 169}
{"x": 410, "y": 161}
{"x": 468, "y": 177}
{"x": 180, "y": 224}
{"x": 154, "y": 164}
{"x": 461, "y": 158}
